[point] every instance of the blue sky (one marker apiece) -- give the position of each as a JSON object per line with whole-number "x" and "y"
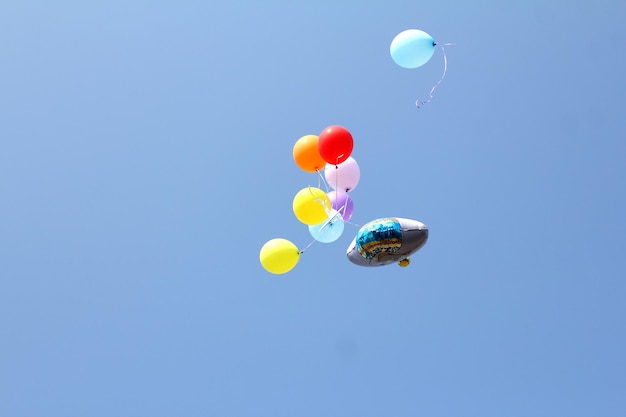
{"x": 146, "y": 158}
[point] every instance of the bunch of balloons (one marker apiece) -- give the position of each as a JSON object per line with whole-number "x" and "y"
{"x": 324, "y": 212}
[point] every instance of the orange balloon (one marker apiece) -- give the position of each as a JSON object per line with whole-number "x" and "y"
{"x": 307, "y": 155}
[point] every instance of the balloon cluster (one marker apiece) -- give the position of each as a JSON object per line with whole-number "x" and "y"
{"x": 323, "y": 211}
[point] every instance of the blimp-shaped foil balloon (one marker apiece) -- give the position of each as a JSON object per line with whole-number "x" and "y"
{"x": 387, "y": 240}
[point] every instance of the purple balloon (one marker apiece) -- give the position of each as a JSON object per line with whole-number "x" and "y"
{"x": 342, "y": 202}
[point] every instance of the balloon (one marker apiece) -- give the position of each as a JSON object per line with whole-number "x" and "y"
{"x": 343, "y": 177}
{"x": 412, "y": 48}
{"x": 335, "y": 144}
{"x": 330, "y": 230}
{"x": 341, "y": 202}
{"x": 387, "y": 240}
{"x": 279, "y": 256}
{"x": 404, "y": 262}
{"x": 311, "y": 205}
{"x": 307, "y": 155}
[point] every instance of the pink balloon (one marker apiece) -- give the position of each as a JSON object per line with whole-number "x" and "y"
{"x": 343, "y": 203}
{"x": 343, "y": 177}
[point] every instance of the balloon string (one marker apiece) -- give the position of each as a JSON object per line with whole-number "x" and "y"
{"x": 322, "y": 179}
{"x": 354, "y": 224}
{"x": 308, "y": 246}
{"x": 327, "y": 186}
{"x": 320, "y": 201}
{"x": 445, "y": 69}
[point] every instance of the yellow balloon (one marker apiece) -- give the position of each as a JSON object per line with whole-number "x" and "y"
{"x": 311, "y": 206}
{"x": 279, "y": 256}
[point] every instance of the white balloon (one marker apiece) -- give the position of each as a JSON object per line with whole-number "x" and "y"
{"x": 343, "y": 177}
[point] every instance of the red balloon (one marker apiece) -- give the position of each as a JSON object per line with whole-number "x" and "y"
{"x": 335, "y": 144}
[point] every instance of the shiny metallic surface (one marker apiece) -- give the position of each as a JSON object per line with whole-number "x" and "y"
{"x": 377, "y": 243}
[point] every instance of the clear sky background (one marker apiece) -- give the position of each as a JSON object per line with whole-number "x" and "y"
{"x": 146, "y": 156}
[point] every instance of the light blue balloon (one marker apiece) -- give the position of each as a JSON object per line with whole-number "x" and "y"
{"x": 412, "y": 48}
{"x": 330, "y": 230}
